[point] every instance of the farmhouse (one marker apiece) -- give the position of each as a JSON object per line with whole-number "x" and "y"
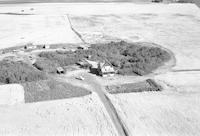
{"x": 105, "y": 69}
{"x": 101, "y": 68}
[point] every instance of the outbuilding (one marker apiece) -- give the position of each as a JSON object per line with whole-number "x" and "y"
{"x": 45, "y": 46}
{"x": 30, "y": 47}
{"x": 60, "y": 70}
{"x": 84, "y": 64}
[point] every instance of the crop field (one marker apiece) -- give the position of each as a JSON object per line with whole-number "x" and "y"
{"x": 143, "y": 86}
{"x": 78, "y": 116}
{"x": 47, "y": 90}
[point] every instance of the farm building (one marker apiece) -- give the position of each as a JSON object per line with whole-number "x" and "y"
{"x": 60, "y": 70}
{"x": 29, "y": 47}
{"x": 105, "y": 69}
{"x": 2, "y": 52}
{"x": 84, "y": 64}
{"x": 82, "y": 47}
{"x": 93, "y": 64}
{"x": 45, "y": 46}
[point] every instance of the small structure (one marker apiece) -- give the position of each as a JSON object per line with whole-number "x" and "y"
{"x": 105, "y": 69}
{"x": 89, "y": 56}
{"x": 72, "y": 50}
{"x": 14, "y": 51}
{"x": 82, "y": 47}
{"x": 93, "y": 64}
{"x": 45, "y": 46}
{"x": 2, "y": 52}
{"x": 30, "y": 47}
{"x": 80, "y": 78}
{"x": 32, "y": 59}
{"x": 60, "y": 70}
{"x": 84, "y": 64}
{"x": 25, "y": 47}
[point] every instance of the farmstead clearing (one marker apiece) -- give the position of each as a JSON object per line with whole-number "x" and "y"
{"x": 48, "y": 52}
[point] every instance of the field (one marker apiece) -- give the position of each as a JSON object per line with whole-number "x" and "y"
{"x": 159, "y": 113}
{"x": 143, "y": 86}
{"x": 166, "y": 26}
{"x": 19, "y": 30}
{"x": 78, "y": 116}
{"x": 47, "y": 90}
{"x": 11, "y": 94}
{"x": 86, "y": 1}
{"x": 175, "y": 110}
{"x": 172, "y": 111}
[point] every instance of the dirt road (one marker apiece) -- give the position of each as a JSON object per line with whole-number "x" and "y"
{"x": 92, "y": 83}
{"x": 99, "y": 89}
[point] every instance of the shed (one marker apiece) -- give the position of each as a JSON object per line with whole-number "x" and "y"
{"x": 60, "y": 70}
{"x": 45, "y": 46}
{"x": 84, "y": 64}
{"x": 2, "y": 52}
{"x": 82, "y": 47}
{"x": 30, "y": 47}
{"x": 93, "y": 64}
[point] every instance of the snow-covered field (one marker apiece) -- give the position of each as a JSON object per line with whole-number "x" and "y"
{"x": 16, "y": 30}
{"x": 167, "y": 113}
{"x": 47, "y": 23}
{"x": 78, "y": 116}
{"x": 11, "y": 94}
{"x": 97, "y": 8}
{"x": 173, "y": 26}
{"x": 172, "y": 112}
{"x": 183, "y": 82}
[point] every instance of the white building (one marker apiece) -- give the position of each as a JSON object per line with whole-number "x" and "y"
{"x": 106, "y": 69}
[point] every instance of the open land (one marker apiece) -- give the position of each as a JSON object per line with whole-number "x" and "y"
{"x": 36, "y": 39}
{"x": 77, "y": 116}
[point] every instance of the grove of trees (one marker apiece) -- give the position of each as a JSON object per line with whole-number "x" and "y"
{"x": 127, "y": 58}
